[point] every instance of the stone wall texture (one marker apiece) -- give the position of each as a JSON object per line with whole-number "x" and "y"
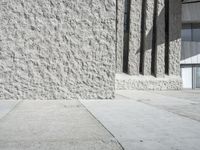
{"x": 174, "y": 36}
{"x": 126, "y": 82}
{"x": 148, "y": 33}
{"x": 154, "y": 46}
{"x": 71, "y": 49}
{"x": 120, "y": 35}
{"x": 57, "y": 49}
{"x": 135, "y": 37}
{"x": 160, "y": 39}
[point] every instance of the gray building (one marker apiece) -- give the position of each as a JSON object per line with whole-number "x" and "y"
{"x": 71, "y": 49}
{"x": 190, "y": 55}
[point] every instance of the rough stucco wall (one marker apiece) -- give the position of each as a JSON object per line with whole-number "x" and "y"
{"x": 148, "y": 36}
{"x": 174, "y": 37}
{"x": 160, "y": 24}
{"x": 135, "y": 37}
{"x": 57, "y": 49}
{"x": 160, "y": 81}
{"x": 126, "y": 82}
{"x": 120, "y": 35}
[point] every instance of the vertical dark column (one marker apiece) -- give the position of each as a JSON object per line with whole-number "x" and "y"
{"x": 154, "y": 41}
{"x": 142, "y": 46}
{"x": 167, "y": 37}
{"x": 126, "y": 35}
{"x": 116, "y": 34}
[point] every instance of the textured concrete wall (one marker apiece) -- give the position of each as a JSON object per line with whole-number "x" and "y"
{"x": 160, "y": 39}
{"x": 120, "y": 35}
{"x": 148, "y": 33}
{"x": 126, "y": 82}
{"x": 154, "y": 46}
{"x": 174, "y": 37}
{"x": 135, "y": 37}
{"x": 57, "y": 49}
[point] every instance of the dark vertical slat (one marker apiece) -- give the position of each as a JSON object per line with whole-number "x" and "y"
{"x": 142, "y": 46}
{"x": 126, "y": 36}
{"x": 116, "y": 34}
{"x": 154, "y": 40}
{"x": 167, "y": 37}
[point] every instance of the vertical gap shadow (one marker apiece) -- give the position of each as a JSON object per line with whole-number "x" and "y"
{"x": 142, "y": 42}
{"x": 126, "y": 35}
{"x": 154, "y": 40}
{"x": 116, "y": 34}
{"x": 167, "y": 37}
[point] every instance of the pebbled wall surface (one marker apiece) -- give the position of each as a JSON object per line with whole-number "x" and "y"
{"x": 160, "y": 39}
{"x": 57, "y": 49}
{"x": 148, "y": 31}
{"x": 127, "y": 82}
{"x": 120, "y": 35}
{"x": 135, "y": 37}
{"x": 175, "y": 26}
{"x": 154, "y": 46}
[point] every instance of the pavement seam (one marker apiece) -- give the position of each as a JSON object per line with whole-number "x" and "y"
{"x": 102, "y": 125}
{"x": 11, "y": 110}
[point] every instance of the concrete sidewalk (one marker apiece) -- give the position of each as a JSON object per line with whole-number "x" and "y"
{"x": 135, "y": 120}
{"x": 151, "y": 120}
{"x": 51, "y": 125}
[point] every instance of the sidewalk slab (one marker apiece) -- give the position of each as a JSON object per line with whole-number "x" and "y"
{"x": 193, "y": 95}
{"x": 183, "y": 103}
{"x": 45, "y": 125}
{"x": 142, "y": 126}
{"x": 6, "y": 107}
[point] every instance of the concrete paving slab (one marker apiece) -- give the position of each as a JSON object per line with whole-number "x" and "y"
{"x": 172, "y": 101}
{"x": 193, "y": 95}
{"x": 53, "y": 125}
{"x": 6, "y": 107}
{"x": 142, "y": 126}
{"x": 141, "y": 120}
{"x": 155, "y": 97}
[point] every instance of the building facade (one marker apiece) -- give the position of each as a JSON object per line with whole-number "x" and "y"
{"x": 190, "y": 55}
{"x": 72, "y": 49}
{"x": 148, "y": 44}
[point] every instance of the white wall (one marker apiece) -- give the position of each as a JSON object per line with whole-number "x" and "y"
{"x": 187, "y": 77}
